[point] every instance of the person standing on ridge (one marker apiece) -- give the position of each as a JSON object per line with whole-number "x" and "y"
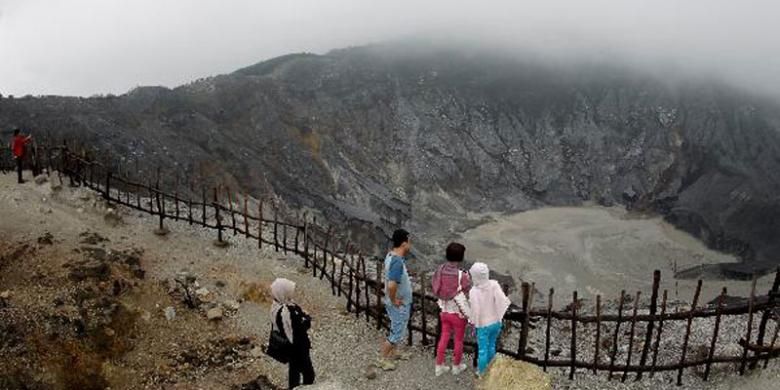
{"x": 450, "y": 285}
{"x": 398, "y": 297}
{"x": 19, "y": 148}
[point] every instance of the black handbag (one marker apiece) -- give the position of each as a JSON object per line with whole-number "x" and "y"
{"x": 279, "y": 348}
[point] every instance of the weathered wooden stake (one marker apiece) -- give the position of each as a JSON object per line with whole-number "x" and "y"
{"x": 688, "y": 333}
{"x": 260, "y": 227}
{"x": 714, "y": 341}
{"x": 365, "y": 290}
{"x": 379, "y": 289}
{"x": 658, "y": 335}
{"x": 328, "y": 238}
{"x": 597, "y": 345}
{"x": 276, "y": 229}
{"x": 203, "y": 199}
{"x": 749, "y": 331}
{"x": 617, "y": 332}
{"x": 650, "y": 323}
{"x": 772, "y": 296}
{"x": 573, "y": 347}
{"x": 547, "y": 330}
{"x": 218, "y": 217}
{"x": 423, "y": 282}
{"x": 632, "y": 332}
{"x": 246, "y": 215}
{"x": 523, "y": 342}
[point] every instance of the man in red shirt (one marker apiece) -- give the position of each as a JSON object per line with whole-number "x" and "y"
{"x": 19, "y": 146}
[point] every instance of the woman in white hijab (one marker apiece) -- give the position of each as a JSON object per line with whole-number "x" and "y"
{"x": 289, "y": 318}
{"x": 488, "y": 305}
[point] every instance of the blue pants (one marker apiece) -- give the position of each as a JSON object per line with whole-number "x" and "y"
{"x": 487, "y": 336}
{"x": 399, "y": 319}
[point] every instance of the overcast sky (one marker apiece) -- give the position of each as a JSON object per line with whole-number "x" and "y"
{"x": 83, "y": 47}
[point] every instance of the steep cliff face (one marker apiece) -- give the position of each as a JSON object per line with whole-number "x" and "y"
{"x": 384, "y": 136}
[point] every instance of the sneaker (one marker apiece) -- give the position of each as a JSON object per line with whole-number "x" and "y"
{"x": 441, "y": 370}
{"x": 459, "y": 368}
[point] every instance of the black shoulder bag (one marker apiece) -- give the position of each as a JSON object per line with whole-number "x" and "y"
{"x": 279, "y": 348}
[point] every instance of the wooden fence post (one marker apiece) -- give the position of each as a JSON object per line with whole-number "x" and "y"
{"x": 276, "y": 228}
{"x": 365, "y": 290}
{"x": 260, "y": 226}
{"x": 522, "y": 344}
{"x": 246, "y": 216}
{"x": 325, "y": 252}
{"x": 107, "y": 194}
{"x": 220, "y": 242}
{"x": 597, "y": 345}
{"x": 658, "y": 334}
{"x": 423, "y": 282}
{"x": 746, "y": 344}
{"x": 230, "y": 209}
{"x": 772, "y": 296}
{"x": 547, "y": 329}
{"x": 688, "y": 332}
{"x": 357, "y": 290}
{"x": 203, "y": 199}
{"x": 297, "y": 231}
{"x": 347, "y": 249}
{"x": 714, "y": 341}
{"x": 573, "y": 347}
{"x": 631, "y": 333}
{"x": 617, "y": 332}
{"x": 349, "y": 295}
{"x": 284, "y": 238}
{"x": 650, "y": 323}
{"x": 379, "y": 289}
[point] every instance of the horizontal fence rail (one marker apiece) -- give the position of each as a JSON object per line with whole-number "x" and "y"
{"x": 637, "y": 336}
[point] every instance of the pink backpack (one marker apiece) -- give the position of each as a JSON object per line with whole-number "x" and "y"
{"x": 447, "y": 282}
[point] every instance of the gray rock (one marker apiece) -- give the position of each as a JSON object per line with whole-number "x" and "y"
{"x": 170, "y": 313}
{"x": 214, "y": 314}
{"x": 231, "y": 305}
{"x": 112, "y": 217}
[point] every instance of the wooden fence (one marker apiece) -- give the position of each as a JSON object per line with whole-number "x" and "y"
{"x": 579, "y": 339}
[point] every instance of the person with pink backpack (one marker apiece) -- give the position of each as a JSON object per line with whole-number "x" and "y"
{"x": 450, "y": 285}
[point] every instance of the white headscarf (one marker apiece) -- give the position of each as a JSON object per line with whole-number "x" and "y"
{"x": 282, "y": 290}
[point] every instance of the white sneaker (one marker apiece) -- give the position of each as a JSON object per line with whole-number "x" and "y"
{"x": 460, "y": 368}
{"x": 441, "y": 370}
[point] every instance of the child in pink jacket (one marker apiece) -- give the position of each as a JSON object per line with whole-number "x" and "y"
{"x": 488, "y": 305}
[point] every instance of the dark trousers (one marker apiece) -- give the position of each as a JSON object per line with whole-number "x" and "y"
{"x": 300, "y": 365}
{"x": 19, "y": 168}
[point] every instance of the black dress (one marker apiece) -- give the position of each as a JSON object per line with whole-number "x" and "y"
{"x": 300, "y": 361}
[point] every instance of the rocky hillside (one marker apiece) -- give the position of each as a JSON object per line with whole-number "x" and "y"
{"x": 390, "y": 135}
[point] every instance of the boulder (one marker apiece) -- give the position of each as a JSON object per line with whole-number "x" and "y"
{"x": 170, "y": 313}
{"x": 231, "y": 305}
{"x": 112, "y": 217}
{"x": 214, "y": 314}
{"x": 510, "y": 374}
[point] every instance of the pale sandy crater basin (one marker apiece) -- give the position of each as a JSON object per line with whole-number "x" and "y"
{"x": 596, "y": 250}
